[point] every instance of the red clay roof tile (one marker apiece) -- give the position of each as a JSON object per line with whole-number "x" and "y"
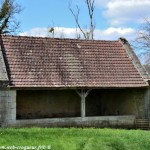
{"x": 47, "y": 62}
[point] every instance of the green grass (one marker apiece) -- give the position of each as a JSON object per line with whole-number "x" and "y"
{"x": 76, "y": 138}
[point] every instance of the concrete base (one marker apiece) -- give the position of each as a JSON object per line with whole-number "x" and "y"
{"x": 100, "y": 122}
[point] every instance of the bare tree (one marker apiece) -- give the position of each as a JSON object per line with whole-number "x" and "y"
{"x": 8, "y": 10}
{"x": 142, "y": 41}
{"x": 87, "y": 34}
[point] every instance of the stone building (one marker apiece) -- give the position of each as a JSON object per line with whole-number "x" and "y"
{"x": 70, "y": 82}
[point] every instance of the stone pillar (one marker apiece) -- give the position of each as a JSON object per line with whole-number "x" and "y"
{"x": 147, "y": 103}
{"x": 7, "y": 106}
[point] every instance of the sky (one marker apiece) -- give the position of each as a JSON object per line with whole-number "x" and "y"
{"x": 112, "y": 18}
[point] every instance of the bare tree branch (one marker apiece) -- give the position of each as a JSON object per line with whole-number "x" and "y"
{"x": 76, "y": 17}
{"x": 142, "y": 41}
{"x": 91, "y": 7}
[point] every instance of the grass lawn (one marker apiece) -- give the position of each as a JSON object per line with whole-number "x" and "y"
{"x": 75, "y": 139}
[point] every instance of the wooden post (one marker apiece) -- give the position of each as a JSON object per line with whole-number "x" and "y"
{"x": 83, "y": 94}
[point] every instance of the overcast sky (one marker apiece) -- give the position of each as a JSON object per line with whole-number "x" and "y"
{"x": 113, "y": 18}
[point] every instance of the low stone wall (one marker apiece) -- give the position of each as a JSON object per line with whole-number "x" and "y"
{"x": 99, "y": 122}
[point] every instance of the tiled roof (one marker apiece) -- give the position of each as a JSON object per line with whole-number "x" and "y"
{"x": 48, "y": 62}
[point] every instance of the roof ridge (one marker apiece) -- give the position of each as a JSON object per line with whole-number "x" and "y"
{"x": 73, "y": 39}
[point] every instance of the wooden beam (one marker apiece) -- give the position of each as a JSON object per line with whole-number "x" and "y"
{"x": 88, "y": 92}
{"x": 78, "y": 93}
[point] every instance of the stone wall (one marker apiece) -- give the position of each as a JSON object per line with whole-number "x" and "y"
{"x": 147, "y": 104}
{"x": 7, "y": 106}
{"x": 47, "y": 104}
{"x": 66, "y": 103}
{"x": 98, "y": 122}
{"x": 110, "y": 102}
